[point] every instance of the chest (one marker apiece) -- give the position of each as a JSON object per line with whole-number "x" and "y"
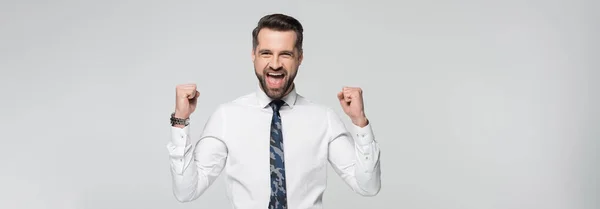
{"x": 305, "y": 142}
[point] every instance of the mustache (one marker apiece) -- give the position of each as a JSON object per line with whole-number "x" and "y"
{"x": 278, "y": 70}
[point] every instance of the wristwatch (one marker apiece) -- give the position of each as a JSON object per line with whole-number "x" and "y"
{"x": 179, "y": 121}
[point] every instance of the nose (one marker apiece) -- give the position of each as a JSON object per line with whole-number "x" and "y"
{"x": 274, "y": 63}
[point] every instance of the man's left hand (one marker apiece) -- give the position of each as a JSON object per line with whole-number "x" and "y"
{"x": 351, "y": 101}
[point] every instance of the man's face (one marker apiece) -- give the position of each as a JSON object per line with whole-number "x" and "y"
{"x": 276, "y": 61}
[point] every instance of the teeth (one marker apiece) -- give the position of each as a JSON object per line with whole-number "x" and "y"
{"x": 275, "y": 74}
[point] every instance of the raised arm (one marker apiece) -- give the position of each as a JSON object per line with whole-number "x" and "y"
{"x": 354, "y": 155}
{"x": 195, "y": 168}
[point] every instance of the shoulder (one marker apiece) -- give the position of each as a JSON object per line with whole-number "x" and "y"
{"x": 243, "y": 101}
{"x": 307, "y": 104}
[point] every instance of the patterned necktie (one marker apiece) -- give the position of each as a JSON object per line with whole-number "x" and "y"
{"x": 278, "y": 189}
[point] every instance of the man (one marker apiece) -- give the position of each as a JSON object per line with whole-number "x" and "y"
{"x": 273, "y": 145}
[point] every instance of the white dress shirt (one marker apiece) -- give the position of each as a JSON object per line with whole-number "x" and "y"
{"x": 235, "y": 141}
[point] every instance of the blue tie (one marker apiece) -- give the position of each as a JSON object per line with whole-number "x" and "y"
{"x": 278, "y": 190}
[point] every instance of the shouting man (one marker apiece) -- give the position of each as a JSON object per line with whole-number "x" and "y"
{"x": 273, "y": 145}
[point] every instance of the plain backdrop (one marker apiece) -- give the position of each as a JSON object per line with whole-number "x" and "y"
{"x": 475, "y": 104}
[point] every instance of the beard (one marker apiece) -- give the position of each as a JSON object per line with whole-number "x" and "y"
{"x": 279, "y": 92}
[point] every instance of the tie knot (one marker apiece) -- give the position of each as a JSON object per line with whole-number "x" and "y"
{"x": 276, "y": 105}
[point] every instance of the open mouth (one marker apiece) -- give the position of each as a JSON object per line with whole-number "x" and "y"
{"x": 275, "y": 80}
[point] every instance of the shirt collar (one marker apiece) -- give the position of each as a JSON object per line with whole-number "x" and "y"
{"x": 264, "y": 100}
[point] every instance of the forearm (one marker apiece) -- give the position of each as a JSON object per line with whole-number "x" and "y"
{"x": 189, "y": 183}
{"x": 357, "y": 164}
{"x": 367, "y": 169}
{"x": 354, "y": 155}
{"x": 193, "y": 168}
{"x": 184, "y": 171}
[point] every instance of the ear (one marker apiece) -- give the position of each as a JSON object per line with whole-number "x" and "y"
{"x": 253, "y": 55}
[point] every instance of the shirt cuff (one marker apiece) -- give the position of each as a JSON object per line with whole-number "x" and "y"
{"x": 179, "y": 136}
{"x": 363, "y": 135}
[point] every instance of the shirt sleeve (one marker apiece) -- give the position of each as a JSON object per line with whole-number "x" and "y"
{"x": 195, "y": 168}
{"x": 354, "y": 156}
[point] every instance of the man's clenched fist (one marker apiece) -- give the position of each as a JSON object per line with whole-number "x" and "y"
{"x": 351, "y": 101}
{"x": 186, "y": 99}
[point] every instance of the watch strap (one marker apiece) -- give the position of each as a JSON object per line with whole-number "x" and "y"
{"x": 179, "y": 121}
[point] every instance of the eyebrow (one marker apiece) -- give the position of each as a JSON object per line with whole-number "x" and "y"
{"x": 264, "y": 51}
{"x": 287, "y": 52}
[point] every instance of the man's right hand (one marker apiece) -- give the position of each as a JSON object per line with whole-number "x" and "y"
{"x": 186, "y": 100}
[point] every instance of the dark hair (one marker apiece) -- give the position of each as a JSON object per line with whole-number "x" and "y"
{"x": 279, "y": 22}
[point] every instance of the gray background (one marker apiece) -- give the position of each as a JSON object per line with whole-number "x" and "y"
{"x": 476, "y": 104}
